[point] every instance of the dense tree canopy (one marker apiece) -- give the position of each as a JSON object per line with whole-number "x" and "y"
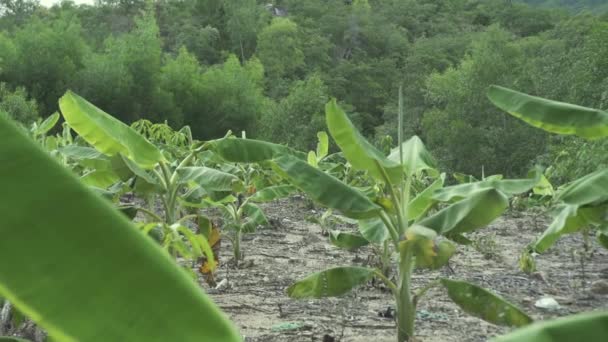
{"x": 268, "y": 67}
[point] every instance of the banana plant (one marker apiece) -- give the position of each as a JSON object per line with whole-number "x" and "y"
{"x": 40, "y": 128}
{"x": 242, "y": 215}
{"x": 123, "y": 160}
{"x": 419, "y": 237}
{"x": 239, "y": 208}
{"x": 583, "y": 203}
{"x": 88, "y": 274}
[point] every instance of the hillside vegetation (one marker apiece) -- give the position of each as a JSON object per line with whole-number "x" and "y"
{"x": 270, "y": 68}
{"x": 575, "y": 5}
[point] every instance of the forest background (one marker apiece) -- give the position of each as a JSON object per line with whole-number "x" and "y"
{"x": 269, "y": 67}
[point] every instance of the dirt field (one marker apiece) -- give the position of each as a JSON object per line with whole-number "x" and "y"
{"x": 254, "y": 296}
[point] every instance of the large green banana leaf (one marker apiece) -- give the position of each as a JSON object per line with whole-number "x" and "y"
{"x": 107, "y": 134}
{"x": 322, "y": 145}
{"x": 324, "y": 188}
{"x": 590, "y": 189}
{"x": 424, "y": 200}
{"x": 552, "y": 116}
{"x": 373, "y": 230}
{"x": 209, "y": 179}
{"x": 101, "y": 179}
{"x": 506, "y": 186}
{"x": 80, "y": 269}
{"x": 361, "y": 154}
{"x": 485, "y": 304}
{"x": 330, "y": 283}
{"x": 249, "y": 150}
{"x": 348, "y": 241}
{"x": 255, "y": 217}
{"x": 87, "y": 157}
{"x": 571, "y": 219}
{"x": 475, "y": 211}
{"x": 415, "y": 156}
{"x": 47, "y": 124}
{"x": 589, "y": 326}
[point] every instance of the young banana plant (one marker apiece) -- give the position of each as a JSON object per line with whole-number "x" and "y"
{"x": 418, "y": 238}
{"x": 250, "y": 185}
{"x": 123, "y": 160}
{"x": 584, "y": 202}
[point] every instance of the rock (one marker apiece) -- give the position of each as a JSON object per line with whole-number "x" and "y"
{"x": 600, "y": 287}
{"x": 222, "y": 284}
{"x": 547, "y": 303}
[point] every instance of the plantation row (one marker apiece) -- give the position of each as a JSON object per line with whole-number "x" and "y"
{"x": 90, "y": 274}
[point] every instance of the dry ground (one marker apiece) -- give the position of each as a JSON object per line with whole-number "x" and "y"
{"x": 255, "y": 298}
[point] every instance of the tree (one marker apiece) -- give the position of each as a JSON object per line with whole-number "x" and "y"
{"x": 124, "y": 78}
{"x": 181, "y": 79}
{"x": 8, "y": 57}
{"x": 18, "y": 10}
{"x": 463, "y": 123}
{"x": 279, "y": 50}
{"x": 426, "y": 56}
{"x": 297, "y": 118}
{"x": 231, "y": 98}
{"x": 107, "y": 82}
{"x": 244, "y": 19}
{"x": 48, "y": 56}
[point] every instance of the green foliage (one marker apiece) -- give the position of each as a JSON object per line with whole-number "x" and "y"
{"x": 181, "y": 80}
{"x": 570, "y": 158}
{"x": 330, "y": 283}
{"x": 574, "y": 5}
{"x": 17, "y": 105}
{"x": 244, "y": 19}
{"x": 47, "y": 56}
{"x": 231, "y": 99}
{"x": 417, "y": 243}
{"x": 586, "y": 326}
{"x": 124, "y": 77}
{"x": 551, "y": 116}
{"x": 297, "y": 117}
{"x": 583, "y": 203}
{"x": 463, "y": 122}
{"x": 107, "y": 134}
{"x": 484, "y": 304}
{"x": 279, "y": 50}
{"x": 131, "y": 60}
{"x": 88, "y": 231}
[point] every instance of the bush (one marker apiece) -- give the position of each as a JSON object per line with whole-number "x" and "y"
{"x": 17, "y": 105}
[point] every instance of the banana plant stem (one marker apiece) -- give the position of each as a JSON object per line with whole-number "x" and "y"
{"x": 237, "y": 246}
{"x": 394, "y": 197}
{"x": 391, "y": 229}
{"x": 406, "y": 311}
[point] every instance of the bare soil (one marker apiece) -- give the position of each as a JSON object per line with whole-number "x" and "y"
{"x": 254, "y": 294}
